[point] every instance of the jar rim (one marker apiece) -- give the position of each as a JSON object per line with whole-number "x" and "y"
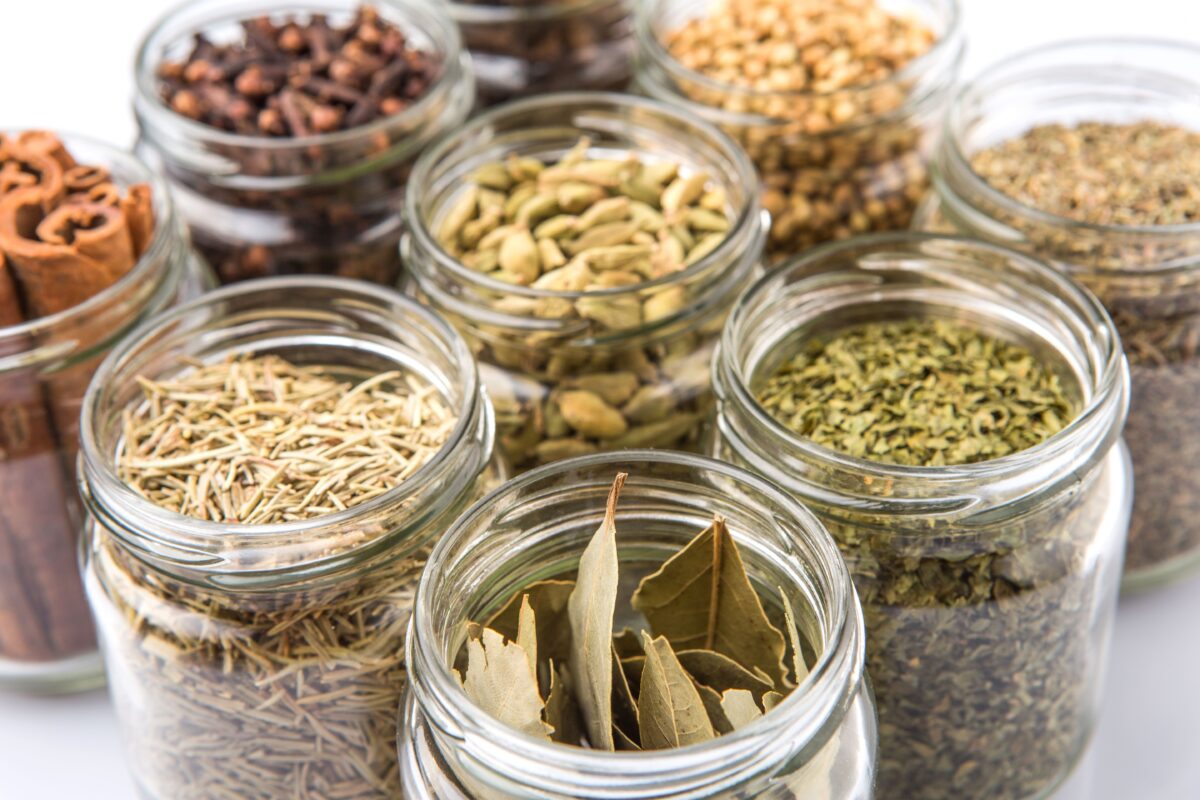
{"x": 832, "y": 681}
{"x": 166, "y": 236}
{"x": 1112, "y": 378}
{"x": 509, "y": 13}
{"x": 429, "y": 16}
{"x": 997, "y": 76}
{"x": 950, "y": 39}
{"x": 97, "y": 472}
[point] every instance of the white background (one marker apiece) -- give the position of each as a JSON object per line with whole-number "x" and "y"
{"x": 68, "y": 64}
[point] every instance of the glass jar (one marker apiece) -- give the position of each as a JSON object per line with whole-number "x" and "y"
{"x": 327, "y": 203}
{"x": 989, "y": 588}
{"x": 1148, "y": 277}
{"x": 819, "y": 743}
{"x": 523, "y": 48}
{"x": 526, "y": 360}
{"x": 262, "y": 661}
{"x": 833, "y": 164}
{"x": 47, "y": 642}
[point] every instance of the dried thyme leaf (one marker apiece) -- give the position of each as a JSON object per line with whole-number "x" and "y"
{"x": 590, "y": 608}
{"x": 701, "y": 599}
{"x": 740, "y": 708}
{"x": 670, "y": 709}
{"x": 549, "y": 602}
{"x": 499, "y": 681}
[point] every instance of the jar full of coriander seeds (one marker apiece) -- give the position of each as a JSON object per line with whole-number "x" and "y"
{"x": 837, "y": 103}
{"x": 1087, "y": 154}
{"x": 952, "y": 411}
{"x": 287, "y": 129}
{"x": 267, "y": 470}
{"x": 818, "y": 742}
{"x": 588, "y": 246}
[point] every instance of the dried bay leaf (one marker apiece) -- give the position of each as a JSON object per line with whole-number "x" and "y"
{"x": 590, "y": 609}
{"x": 670, "y": 710}
{"x": 623, "y": 742}
{"x": 624, "y": 703}
{"x": 740, "y": 708}
{"x": 527, "y": 635}
{"x": 628, "y": 643}
{"x": 549, "y": 602}
{"x": 562, "y": 714}
{"x": 499, "y": 681}
{"x": 712, "y": 705}
{"x": 702, "y": 599}
{"x": 722, "y": 673}
{"x": 772, "y": 699}
{"x": 633, "y": 667}
{"x": 800, "y": 669}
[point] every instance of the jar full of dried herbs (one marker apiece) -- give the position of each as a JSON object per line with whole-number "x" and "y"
{"x": 1088, "y": 155}
{"x": 952, "y": 411}
{"x": 587, "y": 556}
{"x": 267, "y": 470}
{"x": 588, "y": 246}
{"x": 837, "y": 102}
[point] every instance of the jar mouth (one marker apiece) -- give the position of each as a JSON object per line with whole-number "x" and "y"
{"x": 420, "y": 15}
{"x": 801, "y": 717}
{"x": 500, "y": 14}
{"x": 102, "y": 484}
{"x": 592, "y": 108}
{"x": 941, "y": 486}
{"x": 948, "y": 46}
{"x": 1098, "y": 75}
{"x": 166, "y": 231}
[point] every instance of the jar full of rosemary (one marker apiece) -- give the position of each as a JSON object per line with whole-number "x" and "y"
{"x": 1087, "y": 154}
{"x": 952, "y": 411}
{"x": 267, "y": 470}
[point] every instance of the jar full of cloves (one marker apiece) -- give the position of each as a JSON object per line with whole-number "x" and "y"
{"x": 287, "y": 129}
{"x": 530, "y": 536}
{"x": 1087, "y": 154}
{"x": 952, "y": 411}
{"x": 267, "y": 470}
{"x": 588, "y": 246}
{"x": 523, "y": 48}
{"x": 836, "y": 102}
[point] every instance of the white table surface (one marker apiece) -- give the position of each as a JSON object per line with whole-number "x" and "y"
{"x": 67, "y": 65}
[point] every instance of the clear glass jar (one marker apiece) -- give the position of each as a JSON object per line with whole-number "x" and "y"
{"x": 819, "y": 743}
{"x": 988, "y": 589}
{"x": 526, "y": 359}
{"x": 47, "y": 642}
{"x": 267, "y": 661}
{"x": 327, "y": 204}
{"x": 523, "y": 48}
{"x": 822, "y": 179}
{"x": 1148, "y": 277}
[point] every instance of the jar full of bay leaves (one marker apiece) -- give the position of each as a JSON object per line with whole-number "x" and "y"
{"x": 984, "y": 529}
{"x": 1087, "y": 154}
{"x": 254, "y": 641}
{"x": 588, "y": 246}
{"x": 818, "y": 743}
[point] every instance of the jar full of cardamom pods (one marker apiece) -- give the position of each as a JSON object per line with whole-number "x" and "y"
{"x": 267, "y": 470}
{"x": 588, "y": 246}
{"x": 1087, "y": 154}
{"x": 952, "y": 411}
{"x": 838, "y": 103}
{"x": 819, "y": 742}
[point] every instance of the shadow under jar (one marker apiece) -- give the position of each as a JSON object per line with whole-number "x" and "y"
{"x": 267, "y": 661}
{"x": 523, "y": 48}
{"x": 988, "y": 588}
{"x": 47, "y": 641}
{"x": 834, "y": 163}
{"x": 1147, "y": 275}
{"x": 651, "y": 367}
{"x": 819, "y": 742}
{"x": 316, "y": 204}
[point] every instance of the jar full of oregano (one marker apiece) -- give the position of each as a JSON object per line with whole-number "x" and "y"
{"x": 588, "y": 246}
{"x": 267, "y": 469}
{"x": 952, "y": 411}
{"x": 529, "y": 536}
{"x": 1087, "y": 154}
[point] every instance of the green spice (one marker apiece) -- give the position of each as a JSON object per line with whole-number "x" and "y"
{"x": 923, "y": 392}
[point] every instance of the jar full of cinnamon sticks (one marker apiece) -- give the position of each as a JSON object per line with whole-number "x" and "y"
{"x": 89, "y": 247}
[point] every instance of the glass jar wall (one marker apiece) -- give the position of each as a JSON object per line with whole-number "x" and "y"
{"x": 1147, "y": 276}
{"x": 819, "y": 742}
{"x": 834, "y": 163}
{"x": 988, "y": 588}
{"x": 652, "y": 366}
{"x": 260, "y": 661}
{"x": 322, "y": 203}
{"x": 47, "y": 642}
